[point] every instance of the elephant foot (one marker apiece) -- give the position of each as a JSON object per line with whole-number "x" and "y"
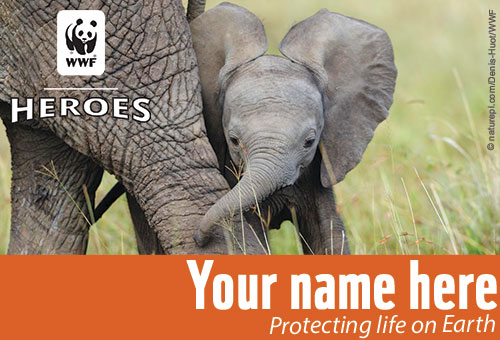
{"x": 201, "y": 238}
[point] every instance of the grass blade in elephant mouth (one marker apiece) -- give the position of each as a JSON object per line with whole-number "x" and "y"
{"x": 284, "y": 234}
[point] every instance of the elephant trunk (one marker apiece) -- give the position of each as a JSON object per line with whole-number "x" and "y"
{"x": 262, "y": 177}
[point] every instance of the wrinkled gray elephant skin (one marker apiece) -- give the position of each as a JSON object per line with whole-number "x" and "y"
{"x": 166, "y": 164}
{"x": 296, "y": 124}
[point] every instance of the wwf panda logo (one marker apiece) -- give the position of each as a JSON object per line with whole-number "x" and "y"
{"x": 81, "y": 42}
{"x": 81, "y": 36}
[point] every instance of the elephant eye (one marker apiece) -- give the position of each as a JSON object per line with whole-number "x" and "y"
{"x": 308, "y": 143}
{"x": 80, "y": 33}
{"x": 234, "y": 140}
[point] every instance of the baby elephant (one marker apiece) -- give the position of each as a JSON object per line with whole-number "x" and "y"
{"x": 296, "y": 124}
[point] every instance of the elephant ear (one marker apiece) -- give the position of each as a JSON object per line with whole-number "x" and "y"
{"x": 353, "y": 63}
{"x": 224, "y": 38}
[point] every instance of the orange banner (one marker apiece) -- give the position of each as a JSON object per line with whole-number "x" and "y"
{"x": 249, "y": 297}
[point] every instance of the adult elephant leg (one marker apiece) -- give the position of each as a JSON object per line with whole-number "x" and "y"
{"x": 163, "y": 158}
{"x": 147, "y": 240}
{"x": 47, "y": 212}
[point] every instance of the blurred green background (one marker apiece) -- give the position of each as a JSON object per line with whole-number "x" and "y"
{"x": 427, "y": 184}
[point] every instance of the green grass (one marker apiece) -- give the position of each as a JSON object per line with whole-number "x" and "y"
{"x": 285, "y": 240}
{"x": 426, "y": 184}
{"x": 5, "y": 175}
